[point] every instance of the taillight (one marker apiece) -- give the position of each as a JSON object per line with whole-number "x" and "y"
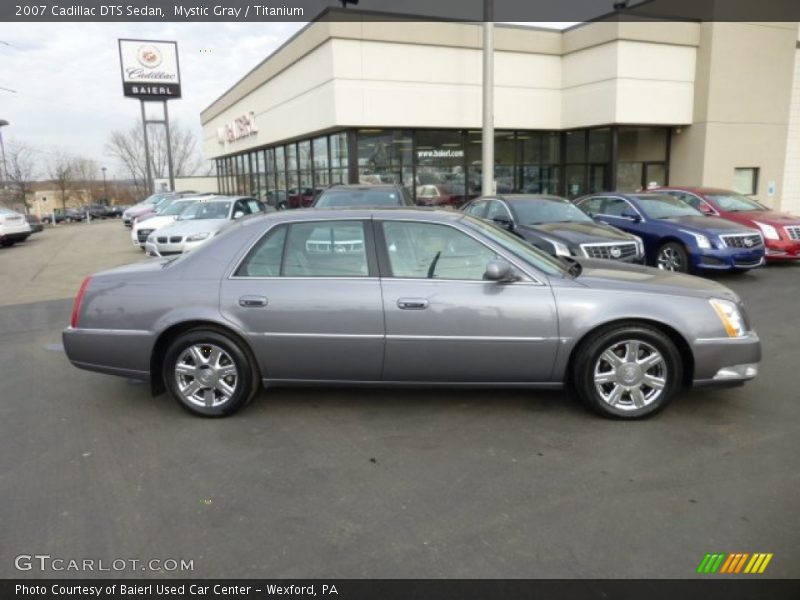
{"x": 76, "y": 309}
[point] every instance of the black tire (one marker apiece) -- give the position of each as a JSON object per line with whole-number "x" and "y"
{"x": 245, "y": 384}
{"x": 590, "y": 358}
{"x": 675, "y": 251}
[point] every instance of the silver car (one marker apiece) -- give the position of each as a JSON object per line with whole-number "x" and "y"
{"x": 199, "y": 223}
{"x": 405, "y": 297}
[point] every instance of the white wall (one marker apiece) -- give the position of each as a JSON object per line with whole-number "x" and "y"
{"x": 791, "y": 176}
{"x": 356, "y": 82}
{"x": 629, "y": 82}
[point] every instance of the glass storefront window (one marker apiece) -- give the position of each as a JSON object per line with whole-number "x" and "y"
{"x": 599, "y": 145}
{"x": 575, "y": 142}
{"x": 384, "y": 156}
{"x": 441, "y": 178}
{"x": 339, "y": 150}
{"x": 642, "y": 144}
{"x": 629, "y": 176}
{"x": 575, "y": 180}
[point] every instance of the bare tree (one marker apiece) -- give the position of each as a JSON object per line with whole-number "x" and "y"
{"x": 62, "y": 172}
{"x": 21, "y": 167}
{"x": 128, "y": 148}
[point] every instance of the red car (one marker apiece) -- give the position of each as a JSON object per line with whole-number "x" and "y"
{"x": 781, "y": 231}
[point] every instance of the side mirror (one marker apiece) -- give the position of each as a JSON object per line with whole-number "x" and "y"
{"x": 631, "y": 214}
{"x": 503, "y": 222}
{"x": 705, "y": 209}
{"x": 498, "y": 270}
{"x": 238, "y": 214}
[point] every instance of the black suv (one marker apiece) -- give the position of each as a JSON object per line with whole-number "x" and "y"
{"x": 358, "y": 196}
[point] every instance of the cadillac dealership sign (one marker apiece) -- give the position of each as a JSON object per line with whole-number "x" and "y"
{"x": 237, "y": 129}
{"x": 150, "y": 69}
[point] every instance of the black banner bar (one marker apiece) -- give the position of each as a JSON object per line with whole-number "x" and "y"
{"x": 751, "y": 588}
{"x": 387, "y": 10}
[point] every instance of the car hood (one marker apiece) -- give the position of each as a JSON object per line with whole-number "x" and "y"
{"x": 194, "y": 226}
{"x": 139, "y": 210}
{"x": 578, "y": 232}
{"x": 770, "y": 217}
{"x": 154, "y": 222}
{"x": 704, "y": 224}
{"x": 627, "y": 277}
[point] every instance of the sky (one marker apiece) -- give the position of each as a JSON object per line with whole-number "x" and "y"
{"x": 67, "y": 91}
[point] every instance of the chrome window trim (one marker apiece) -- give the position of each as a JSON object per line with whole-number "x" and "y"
{"x": 535, "y": 279}
{"x": 467, "y": 231}
{"x": 626, "y": 201}
{"x": 291, "y": 221}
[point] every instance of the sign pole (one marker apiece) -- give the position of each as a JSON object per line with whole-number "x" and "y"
{"x": 487, "y": 137}
{"x": 148, "y": 185}
{"x": 169, "y": 149}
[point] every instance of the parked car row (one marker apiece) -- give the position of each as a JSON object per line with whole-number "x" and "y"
{"x": 178, "y": 223}
{"x": 14, "y": 227}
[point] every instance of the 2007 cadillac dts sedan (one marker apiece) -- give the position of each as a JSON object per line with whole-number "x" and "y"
{"x": 405, "y": 297}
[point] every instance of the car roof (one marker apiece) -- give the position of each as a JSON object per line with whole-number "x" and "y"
{"x": 362, "y": 186}
{"x": 522, "y": 196}
{"x": 398, "y": 213}
{"x": 697, "y": 189}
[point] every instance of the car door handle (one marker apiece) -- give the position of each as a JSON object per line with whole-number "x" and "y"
{"x": 412, "y": 303}
{"x": 253, "y": 301}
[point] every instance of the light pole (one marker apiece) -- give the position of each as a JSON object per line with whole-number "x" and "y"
{"x": 105, "y": 186}
{"x": 3, "y": 123}
{"x": 487, "y": 155}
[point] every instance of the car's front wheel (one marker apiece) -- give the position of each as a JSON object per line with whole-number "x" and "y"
{"x": 209, "y": 373}
{"x": 627, "y": 371}
{"x": 672, "y": 256}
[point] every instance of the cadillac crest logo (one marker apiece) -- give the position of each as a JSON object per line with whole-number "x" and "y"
{"x": 748, "y": 242}
{"x": 616, "y": 252}
{"x": 149, "y": 56}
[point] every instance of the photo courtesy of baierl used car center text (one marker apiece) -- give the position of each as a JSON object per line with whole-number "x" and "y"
{"x": 392, "y": 299}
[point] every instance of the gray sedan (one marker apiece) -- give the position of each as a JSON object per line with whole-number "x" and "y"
{"x": 403, "y": 298}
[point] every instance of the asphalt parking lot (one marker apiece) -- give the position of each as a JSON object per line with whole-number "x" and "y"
{"x": 382, "y": 484}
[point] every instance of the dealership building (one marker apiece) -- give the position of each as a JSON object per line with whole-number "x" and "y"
{"x": 600, "y": 106}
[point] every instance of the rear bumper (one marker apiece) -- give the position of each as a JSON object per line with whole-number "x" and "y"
{"x": 726, "y": 361}
{"x": 17, "y": 236}
{"x": 112, "y": 351}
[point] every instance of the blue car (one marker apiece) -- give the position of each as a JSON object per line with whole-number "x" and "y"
{"x": 678, "y": 237}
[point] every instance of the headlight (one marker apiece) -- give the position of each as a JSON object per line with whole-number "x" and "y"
{"x": 702, "y": 241}
{"x": 639, "y": 245}
{"x": 730, "y": 316}
{"x": 560, "y": 249}
{"x": 196, "y": 237}
{"x": 768, "y": 230}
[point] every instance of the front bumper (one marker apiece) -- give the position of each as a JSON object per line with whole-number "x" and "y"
{"x": 726, "y": 361}
{"x": 726, "y": 259}
{"x": 778, "y": 250}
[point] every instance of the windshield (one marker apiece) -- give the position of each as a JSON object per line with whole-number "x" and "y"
{"x": 533, "y": 211}
{"x": 666, "y": 207}
{"x": 206, "y": 210}
{"x": 357, "y": 198}
{"x": 733, "y": 202}
{"x": 518, "y": 247}
{"x": 177, "y": 208}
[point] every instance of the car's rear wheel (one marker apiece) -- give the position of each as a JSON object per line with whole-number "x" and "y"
{"x": 209, "y": 373}
{"x": 627, "y": 371}
{"x": 672, "y": 256}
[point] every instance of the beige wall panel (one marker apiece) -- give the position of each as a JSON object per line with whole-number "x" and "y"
{"x": 746, "y": 145}
{"x": 790, "y": 194}
{"x": 652, "y": 102}
{"x": 687, "y": 157}
{"x": 592, "y": 104}
{"x": 598, "y": 63}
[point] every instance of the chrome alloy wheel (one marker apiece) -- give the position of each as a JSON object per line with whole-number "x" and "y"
{"x": 206, "y": 375}
{"x": 669, "y": 259}
{"x": 630, "y": 375}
